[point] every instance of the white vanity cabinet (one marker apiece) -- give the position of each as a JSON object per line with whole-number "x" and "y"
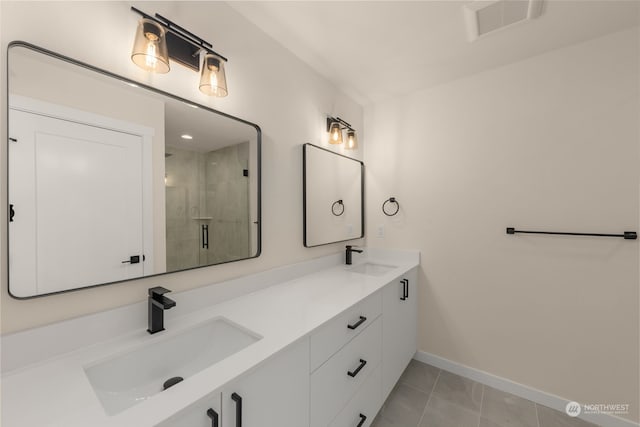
{"x": 345, "y": 351}
{"x": 332, "y": 344}
{"x": 276, "y": 393}
{"x": 358, "y": 356}
{"x": 399, "y": 331}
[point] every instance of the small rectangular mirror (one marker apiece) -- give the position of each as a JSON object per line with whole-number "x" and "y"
{"x": 333, "y": 194}
{"x": 111, "y": 181}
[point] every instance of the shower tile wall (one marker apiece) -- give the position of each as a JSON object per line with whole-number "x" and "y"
{"x": 207, "y": 188}
{"x": 227, "y": 201}
{"x": 183, "y": 201}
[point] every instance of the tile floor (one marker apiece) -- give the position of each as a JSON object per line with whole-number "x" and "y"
{"x": 426, "y": 396}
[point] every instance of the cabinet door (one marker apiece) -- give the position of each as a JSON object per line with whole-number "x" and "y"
{"x": 275, "y": 394}
{"x": 399, "y": 330}
{"x": 203, "y": 413}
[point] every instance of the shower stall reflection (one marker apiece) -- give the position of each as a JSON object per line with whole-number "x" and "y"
{"x": 207, "y": 206}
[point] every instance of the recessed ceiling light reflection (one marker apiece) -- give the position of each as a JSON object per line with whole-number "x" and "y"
{"x": 186, "y": 136}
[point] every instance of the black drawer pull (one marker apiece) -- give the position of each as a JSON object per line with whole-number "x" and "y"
{"x": 358, "y": 369}
{"x": 358, "y": 323}
{"x": 404, "y": 289}
{"x": 236, "y": 398}
{"x": 363, "y": 418}
{"x": 214, "y": 417}
{"x": 406, "y": 286}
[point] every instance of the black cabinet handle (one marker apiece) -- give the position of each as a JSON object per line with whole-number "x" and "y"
{"x": 236, "y": 398}
{"x": 363, "y": 418}
{"x": 358, "y": 323}
{"x": 358, "y": 369}
{"x": 404, "y": 289}
{"x": 214, "y": 417}
{"x": 406, "y": 286}
{"x": 12, "y": 213}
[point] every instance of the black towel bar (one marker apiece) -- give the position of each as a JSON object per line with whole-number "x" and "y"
{"x": 627, "y": 235}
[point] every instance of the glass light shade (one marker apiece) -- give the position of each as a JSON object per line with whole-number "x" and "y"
{"x": 150, "y": 47}
{"x": 335, "y": 133}
{"x": 212, "y": 77}
{"x": 352, "y": 140}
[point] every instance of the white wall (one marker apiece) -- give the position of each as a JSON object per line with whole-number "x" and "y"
{"x": 267, "y": 85}
{"x": 548, "y": 143}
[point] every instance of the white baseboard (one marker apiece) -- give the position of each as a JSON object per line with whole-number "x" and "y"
{"x": 521, "y": 390}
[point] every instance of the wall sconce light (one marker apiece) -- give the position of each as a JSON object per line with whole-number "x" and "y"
{"x": 150, "y": 47}
{"x": 335, "y": 126}
{"x": 352, "y": 140}
{"x": 212, "y": 77}
{"x": 158, "y": 40}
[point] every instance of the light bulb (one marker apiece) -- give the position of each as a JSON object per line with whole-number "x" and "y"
{"x": 150, "y": 47}
{"x": 352, "y": 140}
{"x": 151, "y": 59}
{"x": 213, "y": 81}
{"x": 212, "y": 78}
{"x": 335, "y": 133}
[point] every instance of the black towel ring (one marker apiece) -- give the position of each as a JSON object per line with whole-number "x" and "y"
{"x": 333, "y": 207}
{"x": 391, "y": 200}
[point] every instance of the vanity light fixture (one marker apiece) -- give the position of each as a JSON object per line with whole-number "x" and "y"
{"x": 212, "y": 77}
{"x": 150, "y": 47}
{"x": 335, "y": 133}
{"x": 352, "y": 140}
{"x": 159, "y": 39}
{"x": 335, "y": 126}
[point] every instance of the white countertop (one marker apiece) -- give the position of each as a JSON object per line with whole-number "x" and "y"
{"x": 56, "y": 392}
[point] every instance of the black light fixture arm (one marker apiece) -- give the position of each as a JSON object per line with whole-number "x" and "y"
{"x": 179, "y": 31}
{"x": 177, "y": 28}
{"x": 338, "y": 120}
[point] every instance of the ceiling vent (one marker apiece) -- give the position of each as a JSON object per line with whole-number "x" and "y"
{"x": 484, "y": 17}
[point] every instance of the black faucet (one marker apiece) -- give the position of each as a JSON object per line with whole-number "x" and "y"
{"x": 350, "y": 250}
{"x": 157, "y": 305}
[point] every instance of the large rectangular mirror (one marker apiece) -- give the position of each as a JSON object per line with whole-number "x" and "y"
{"x": 333, "y": 197}
{"x": 111, "y": 181}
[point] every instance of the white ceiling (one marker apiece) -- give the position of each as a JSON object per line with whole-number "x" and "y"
{"x": 210, "y": 131}
{"x": 373, "y": 50}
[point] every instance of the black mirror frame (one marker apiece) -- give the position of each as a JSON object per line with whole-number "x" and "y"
{"x": 27, "y": 45}
{"x": 304, "y": 195}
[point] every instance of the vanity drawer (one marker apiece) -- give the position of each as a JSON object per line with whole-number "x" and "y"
{"x": 364, "y": 406}
{"x": 335, "y": 382}
{"x": 334, "y": 334}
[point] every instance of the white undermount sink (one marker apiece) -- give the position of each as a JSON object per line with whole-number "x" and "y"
{"x": 371, "y": 269}
{"x": 130, "y": 378}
